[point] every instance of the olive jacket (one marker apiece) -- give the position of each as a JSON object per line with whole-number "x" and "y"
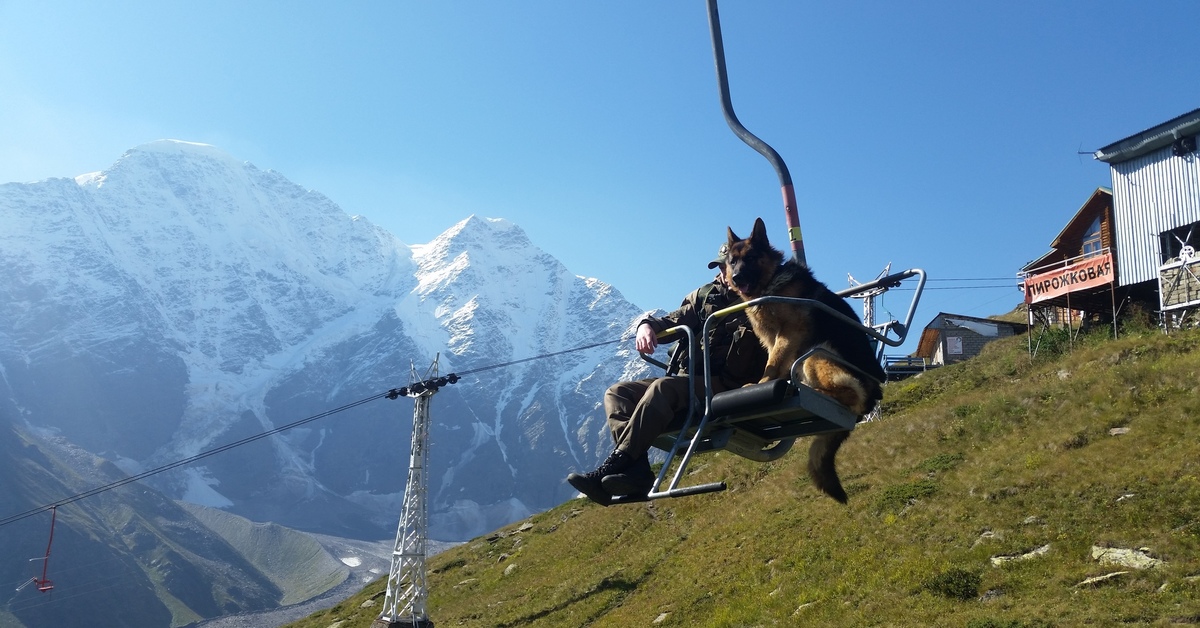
{"x": 736, "y": 355}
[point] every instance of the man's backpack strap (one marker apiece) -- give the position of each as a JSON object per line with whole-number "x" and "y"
{"x": 703, "y": 302}
{"x": 706, "y": 298}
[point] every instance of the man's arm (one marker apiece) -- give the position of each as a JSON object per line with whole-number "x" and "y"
{"x": 647, "y": 338}
{"x": 688, "y": 315}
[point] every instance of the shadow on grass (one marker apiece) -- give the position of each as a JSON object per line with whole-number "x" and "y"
{"x": 619, "y": 584}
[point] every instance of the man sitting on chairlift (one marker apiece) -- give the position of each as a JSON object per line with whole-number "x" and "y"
{"x": 639, "y": 411}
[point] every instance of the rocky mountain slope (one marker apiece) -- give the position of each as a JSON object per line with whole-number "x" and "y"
{"x": 181, "y": 300}
{"x": 131, "y": 556}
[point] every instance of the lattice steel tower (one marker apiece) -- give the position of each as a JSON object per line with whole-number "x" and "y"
{"x": 407, "y": 588}
{"x": 868, "y": 298}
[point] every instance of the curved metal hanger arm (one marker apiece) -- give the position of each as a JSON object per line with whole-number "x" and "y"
{"x": 751, "y": 140}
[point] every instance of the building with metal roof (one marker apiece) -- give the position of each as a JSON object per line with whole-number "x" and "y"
{"x": 1156, "y": 211}
{"x": 1134, "y": 242}
{"x": 951, "y": 338}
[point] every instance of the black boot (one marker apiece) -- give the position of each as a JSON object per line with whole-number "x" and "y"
{"x": 589, "y": 483}
{"x": 638, "y": 479}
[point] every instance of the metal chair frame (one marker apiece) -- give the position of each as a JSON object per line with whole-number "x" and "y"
{"x": 765, "y": 431}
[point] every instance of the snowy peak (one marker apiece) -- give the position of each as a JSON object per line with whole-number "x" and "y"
{"x": 496, "y": 244}
{"x": 474, "y": 230}
{"x": 165, "y": 150}
{"x": 529, "y": 294}
{"x": 180, "y": 243}
{"x": 181, "y": 299}
{"x": 189, "y": 166}
{"x": 213, "y": 193}
{"x": 149, "y": 155}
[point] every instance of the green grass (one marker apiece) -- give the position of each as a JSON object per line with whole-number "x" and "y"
{"x": 997, "y": 456}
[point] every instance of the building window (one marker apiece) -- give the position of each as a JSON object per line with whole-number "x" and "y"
{"x": 1174, "y": 241}
{"x": 1092, "y": 242}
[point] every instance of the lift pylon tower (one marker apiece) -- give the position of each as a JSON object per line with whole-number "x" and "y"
{"x": 868, "y": 296}
{"x": 407, "y": 588}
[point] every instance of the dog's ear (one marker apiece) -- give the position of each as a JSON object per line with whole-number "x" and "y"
{"x": 731, "y": 235}
{"x": 759, "y": 234}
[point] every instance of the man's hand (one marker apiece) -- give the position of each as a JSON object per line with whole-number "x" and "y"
{"x": 647, "y": 340}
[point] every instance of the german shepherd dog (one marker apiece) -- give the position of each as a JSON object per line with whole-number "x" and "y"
{"x": 755, "y": 269}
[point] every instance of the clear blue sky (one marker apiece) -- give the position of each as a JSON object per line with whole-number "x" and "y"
{"x": 942, "y": 135}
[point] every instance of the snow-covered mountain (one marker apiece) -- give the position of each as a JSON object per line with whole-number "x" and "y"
{"x": 182, "y": 300}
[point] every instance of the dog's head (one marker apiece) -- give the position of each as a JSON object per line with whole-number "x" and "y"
{"x": 752, "y": 262}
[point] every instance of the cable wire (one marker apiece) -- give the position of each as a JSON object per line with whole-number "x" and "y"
{"x": 179, "y": 463}
{"x": 958, "y": 288}
{"x": 973, "y": 278}
{"x": 539, "y": 357}
{"x": 223, "y": 448}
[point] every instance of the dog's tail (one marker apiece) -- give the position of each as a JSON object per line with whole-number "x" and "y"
{"x": 821, "y": 465}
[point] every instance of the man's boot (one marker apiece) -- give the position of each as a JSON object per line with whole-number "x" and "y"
{"x": 638, "y": 479}
{"x": 589, "y": 483}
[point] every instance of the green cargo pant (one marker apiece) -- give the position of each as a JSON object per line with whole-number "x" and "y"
{"x": 639, "y": 411}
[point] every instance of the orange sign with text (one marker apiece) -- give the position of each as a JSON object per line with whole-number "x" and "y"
{"x": 1089, "y": 273}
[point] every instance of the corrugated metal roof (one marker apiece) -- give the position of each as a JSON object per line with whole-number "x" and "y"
{"x": 1151, "y": 139}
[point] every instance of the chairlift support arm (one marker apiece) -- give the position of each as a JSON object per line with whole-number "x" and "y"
{"x": 751, "y": 140}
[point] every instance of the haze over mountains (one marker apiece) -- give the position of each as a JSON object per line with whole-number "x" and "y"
{"x": 182, "y": 299}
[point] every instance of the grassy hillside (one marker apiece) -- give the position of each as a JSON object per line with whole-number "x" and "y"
{"x": 1087, "y": 448}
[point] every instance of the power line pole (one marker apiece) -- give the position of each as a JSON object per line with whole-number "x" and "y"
{"x": 404, "y": 606}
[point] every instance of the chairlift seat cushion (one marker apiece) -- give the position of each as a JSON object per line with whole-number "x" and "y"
{"x": 749, "y": 398}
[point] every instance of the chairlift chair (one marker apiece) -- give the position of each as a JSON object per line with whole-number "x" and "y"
{"x": 761, "y": 422}
{"x": 44, "y": 584}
